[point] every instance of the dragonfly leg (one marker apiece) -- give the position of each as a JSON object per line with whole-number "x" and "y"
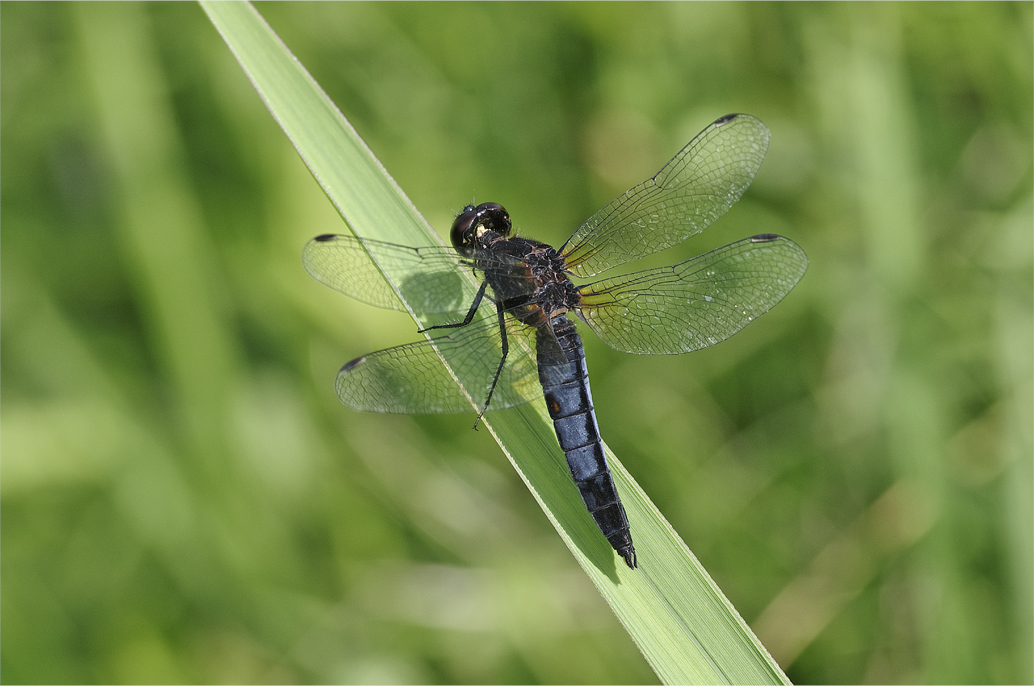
{"x": 502, "y": 361}
{"x": 470, "y": 313}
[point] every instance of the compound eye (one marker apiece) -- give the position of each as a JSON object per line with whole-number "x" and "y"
{"x": 495, "y": 217}
{"x": 461, "y": 227}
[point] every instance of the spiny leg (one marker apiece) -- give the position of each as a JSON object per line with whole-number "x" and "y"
{"x": 470, "y": 313}
{"x": 502, "y": 361}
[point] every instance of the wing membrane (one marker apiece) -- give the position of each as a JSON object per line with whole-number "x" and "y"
{"x": 344, "y": 263}
{"x": 694, "y": 304}
{"x": 686, "y": 196}
{"x": 411, "y": 379}
{"x": 434, "y": 284}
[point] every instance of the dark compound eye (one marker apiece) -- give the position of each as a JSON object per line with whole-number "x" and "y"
{"x": 490, "y": 215}
{"x": 462, "y": 225}
{"x": 495, "y": 217}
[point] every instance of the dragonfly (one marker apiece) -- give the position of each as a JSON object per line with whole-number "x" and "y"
{"x": 514, "y": 341}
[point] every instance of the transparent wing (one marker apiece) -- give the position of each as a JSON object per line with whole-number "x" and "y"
{"x": 435, "y": 281}
{"x": 344, "y": 263}
{"x": 411, "y": 379}
{"x": 694, "y": 304}
{"x": 686, "y": 196}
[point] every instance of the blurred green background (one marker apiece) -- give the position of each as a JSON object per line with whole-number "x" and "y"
{"x": 184, "y": 499}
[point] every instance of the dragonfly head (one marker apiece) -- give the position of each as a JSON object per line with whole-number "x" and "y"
{"x": 473, "y": 223}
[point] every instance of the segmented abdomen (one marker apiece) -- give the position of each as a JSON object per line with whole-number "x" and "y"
{"x": 569, "y": 402}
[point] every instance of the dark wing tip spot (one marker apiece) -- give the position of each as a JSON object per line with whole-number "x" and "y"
{"x": 725, "y": 120}
{"x": 325, "y": 237}
{"x": 349, "y": 366}
{"x": 765, "y": 238}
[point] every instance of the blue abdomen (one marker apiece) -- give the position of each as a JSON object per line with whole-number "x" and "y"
{"x": 569, "y": 402}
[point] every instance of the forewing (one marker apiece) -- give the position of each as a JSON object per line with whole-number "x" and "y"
{"x": 686, "y": 196}
{"x": 344, "y": 263}
{"x": 411, "y": 379}
{"x": 694, "y": 304}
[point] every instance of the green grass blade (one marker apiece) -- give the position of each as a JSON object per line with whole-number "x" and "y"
{"x": 680, "y": 620}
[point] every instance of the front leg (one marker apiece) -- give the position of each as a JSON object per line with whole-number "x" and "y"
{"x": 502, "y": 333}
{"x": 502, "y": 360}
{"x": 466, "y": 320}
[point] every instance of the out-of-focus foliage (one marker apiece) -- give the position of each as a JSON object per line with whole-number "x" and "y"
{"x": 183, "y": 499}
